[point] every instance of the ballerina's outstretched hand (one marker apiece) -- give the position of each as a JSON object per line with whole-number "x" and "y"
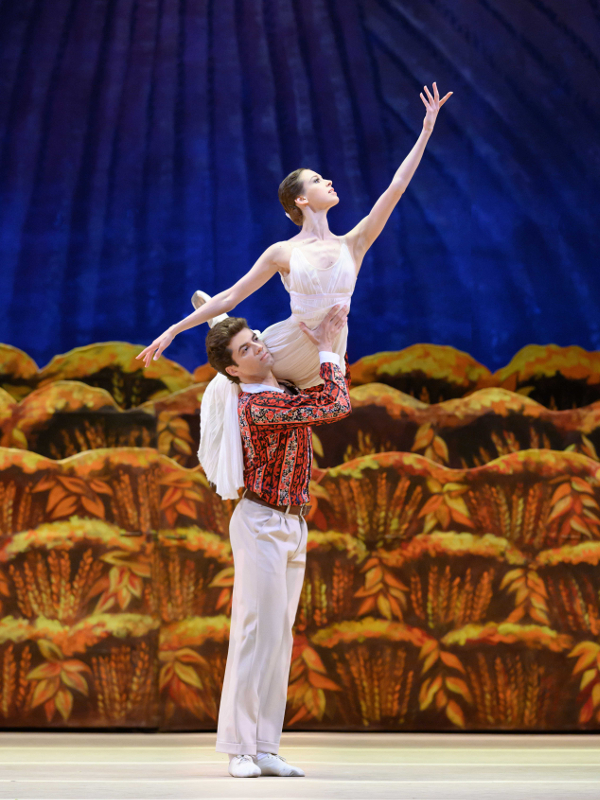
{"x": 433, "y": 105}
{"x": 156, "y": 348}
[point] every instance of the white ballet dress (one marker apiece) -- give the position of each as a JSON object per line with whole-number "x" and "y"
{"x": 313, "y": 292}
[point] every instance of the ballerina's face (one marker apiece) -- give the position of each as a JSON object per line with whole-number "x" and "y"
{"x": 252, "y": 359}
{"x": 319, "y": 193}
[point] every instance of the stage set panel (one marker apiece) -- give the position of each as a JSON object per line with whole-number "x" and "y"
{"x": 452, "y": 576}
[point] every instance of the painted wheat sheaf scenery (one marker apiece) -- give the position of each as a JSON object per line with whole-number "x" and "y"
{"x": 452, "y": 578}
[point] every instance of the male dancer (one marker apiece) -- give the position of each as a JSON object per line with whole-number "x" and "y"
{"x": 268, "y": 534}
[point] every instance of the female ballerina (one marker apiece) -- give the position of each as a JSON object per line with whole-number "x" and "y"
{"x": 319, "y": 270}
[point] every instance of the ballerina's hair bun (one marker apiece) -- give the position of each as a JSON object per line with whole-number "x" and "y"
{"x": 289, "y": 189}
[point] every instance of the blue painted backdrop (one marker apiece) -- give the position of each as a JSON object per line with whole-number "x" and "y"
{"x": 142, "y": 143}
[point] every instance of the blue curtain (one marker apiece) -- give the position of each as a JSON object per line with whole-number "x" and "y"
{"x": 142, "y": 143}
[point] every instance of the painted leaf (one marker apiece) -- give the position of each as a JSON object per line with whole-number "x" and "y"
{"x": 431, "y": 505}
{"x": 73, "y": 484}
{"x": 50, "y": 670}
{"x": 223, "y": 578}
{"x": 581, "y": 485}
{"x": 49, "y": 708}
{"x": 321, "y": 682}
{"x": 561, "y": 491}
{"x": 44, "y": 690}
{"x": 189, "y": 656}
{"x": 458, "y": 517}
{"x": 367, "y": 605}
{"x": 172, "y": 495}
{"x": 76, "y": 681}
{"x": 72, "y": 665}
{"x": 428, "y": 647}
{"x": 182, "y": 446}
{"x": 395, "y": 606}
{"x": 301, "y": 714}
{"x": 430, "y": 661}
{"x": 579, "y": 525}
{"x": 431, "y": 692}
{"x": 123, "y": 597}
{"x": 587, "y": 677}
{"x": 443, "y": 515}
{"x": 560, "y": 508}
{"x": 423, "y": 437}
{"x": 391, "y": 580}
{"x": 64, "y": 703}
{"x": 49, "y": 650}
{"x": 383, "y": 604}
{"x": 165, "y": 676}
{"x": 455, "y": 714}
{"x": 297, "y": 670}
{"x": 450, "y": 660}
{"x": 66, "y": 507}
{"x": 186, "y": 507}
{"x": 47, "y": 482}
{"x": 56, "y": 495}
{"x": 587, "y": 710}
{"x": 539, "y": 616}
{"x": 458, "y": 686}
{"x": 587, "y": 652}
{"x": 458, "y": 504}
{"x": 373, "y": 576}
{"x": 441, "y": 448}
{"x": 187, "y": 674}
{"x": 313, "y": 660}
{"x": 100, "y": 486}
{"x": 94, "y": 505}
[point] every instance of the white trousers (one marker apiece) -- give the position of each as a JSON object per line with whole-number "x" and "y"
{"x": 269, "y": 555}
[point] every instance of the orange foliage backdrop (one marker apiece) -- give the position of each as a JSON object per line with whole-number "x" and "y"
{"x": 454, "y": 539}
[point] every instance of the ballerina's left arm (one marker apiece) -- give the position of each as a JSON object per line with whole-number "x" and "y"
{"x": 361, "y": 237}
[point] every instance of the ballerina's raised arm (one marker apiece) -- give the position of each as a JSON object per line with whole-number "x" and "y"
{"x": 362, "y": 236}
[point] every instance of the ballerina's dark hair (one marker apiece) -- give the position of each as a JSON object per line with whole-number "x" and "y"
{"x": 289, "y": 189}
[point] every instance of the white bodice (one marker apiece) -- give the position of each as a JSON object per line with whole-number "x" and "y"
{"x": 313, "y": 291}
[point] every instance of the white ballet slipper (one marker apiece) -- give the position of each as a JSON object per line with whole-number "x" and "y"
{"x": 243, "y": 766}
{"x": 277, "y": 766}
{"x": 199, "y": 298}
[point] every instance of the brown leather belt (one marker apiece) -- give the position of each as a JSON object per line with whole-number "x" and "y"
{"x": 298, "y": 511}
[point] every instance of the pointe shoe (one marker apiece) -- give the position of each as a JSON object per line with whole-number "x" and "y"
{"x": 243, "y": 766}
{"x": 199, "y": 298}
{"x": 277, "y": 766}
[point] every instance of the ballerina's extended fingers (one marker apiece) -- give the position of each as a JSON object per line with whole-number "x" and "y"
{"x": 146, "y": 353}
{"x": 434, "y": 103}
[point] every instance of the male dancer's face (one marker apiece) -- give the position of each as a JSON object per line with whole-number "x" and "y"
{"x": 251, "y": 358}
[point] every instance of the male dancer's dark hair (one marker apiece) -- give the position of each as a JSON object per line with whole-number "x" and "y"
{"x": 217, "y": 344}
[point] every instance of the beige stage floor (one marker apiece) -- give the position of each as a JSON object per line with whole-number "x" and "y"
{"x": 64, "y": 766}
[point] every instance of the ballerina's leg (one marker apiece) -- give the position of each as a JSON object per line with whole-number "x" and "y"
{"x": 199, "y": 298}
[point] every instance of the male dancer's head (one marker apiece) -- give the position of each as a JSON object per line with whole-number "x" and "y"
{"x": 236, "y": 351}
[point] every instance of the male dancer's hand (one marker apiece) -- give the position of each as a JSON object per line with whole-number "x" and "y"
{"x": 326, "y": 333}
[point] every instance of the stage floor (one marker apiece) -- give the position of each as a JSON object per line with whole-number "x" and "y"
{"x": 105, "y": 766}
